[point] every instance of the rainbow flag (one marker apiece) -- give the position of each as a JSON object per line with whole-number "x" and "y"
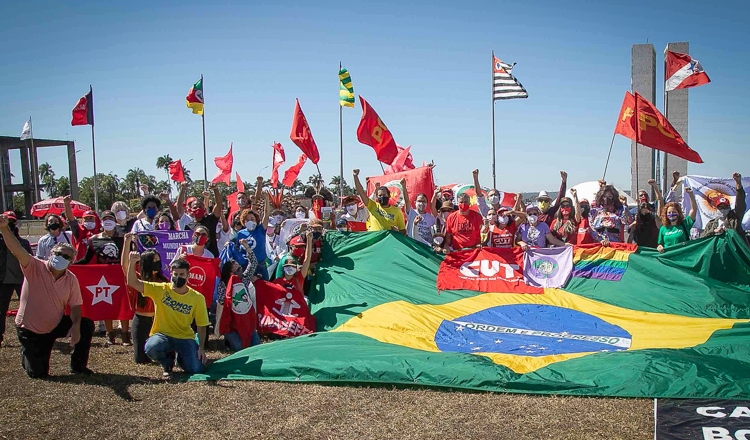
{"x": 602, "y": 263}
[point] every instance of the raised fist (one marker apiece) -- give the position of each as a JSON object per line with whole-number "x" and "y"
{"x": 356, "y": 172}
{"x": 564, "y": 176}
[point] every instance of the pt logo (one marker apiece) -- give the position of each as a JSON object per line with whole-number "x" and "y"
{"x": 286, "y": 306}
{"x": 102, "y": 292}
{"x": 489, "y": 269}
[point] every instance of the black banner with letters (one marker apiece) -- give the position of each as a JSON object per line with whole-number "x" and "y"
{"x": 702, "y": 419}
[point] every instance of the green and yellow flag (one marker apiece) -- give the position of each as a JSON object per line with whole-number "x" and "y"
{"x": 194, "y": 98}
{"x": 346, "y": 91}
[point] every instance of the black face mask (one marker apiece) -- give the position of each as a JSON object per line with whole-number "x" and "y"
{"x": 383, "y": 200}
{"x": 53, "y": 226}
{"x": 585, "y": 211}
{"x": 646, "y": 217}
{"x": 178, "y": 281}
{"x": 316, "y": 235}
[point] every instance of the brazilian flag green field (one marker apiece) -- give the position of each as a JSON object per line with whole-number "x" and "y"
{"x": 675, "y": 325}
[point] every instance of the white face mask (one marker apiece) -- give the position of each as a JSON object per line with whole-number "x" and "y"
{"x": 438, "y": 241}
{"x": 533, "y": 218}
{"x": 108, "y": 225}
{"x": 58, "y": 263}
{"x": 503, "y": 220}
{"x": 121, "y": 215}
{"x": 299, "y": 214}
{"x": 494, "y": 199}
{"x": 351, "y": 209}
{"x": 250, "y": 225}
{"x": 421, "y": 206}
{"x": 290, "y": 270}
{"x": 89, "y": 225}
{"x": 278, "y": 218}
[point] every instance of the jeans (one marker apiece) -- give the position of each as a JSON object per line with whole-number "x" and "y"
{"x": 235, "y": 342}
{"x": 6, "y": 293}
{"x": 36, "y": 349}
{"x": 139, "y": 332}
{"x": 162, "y": 348}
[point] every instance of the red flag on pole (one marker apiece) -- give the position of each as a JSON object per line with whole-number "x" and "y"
{"x": 202, "y": 275}
{"x": 419, "y": 180}
{"x": 373, "y": 132}
{"x": 291, "y": 174}
{"x": 240, "y": 183}
{"x": 175, "y": 171}
{"x": 682, "y": 71}
{"x": 224, "y": 164}
{"x": 83, "y": 112}
{"x": 302, "y": 136}
{"x": 402, "y": 162}
{"x": 278, "y": 158}
{"x": 651, "y": 129}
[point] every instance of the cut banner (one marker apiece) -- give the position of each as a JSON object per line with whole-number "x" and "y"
{"x": 485, "y": 270}
{"x": 282, "y": 312}
{"x": 165, "y": 243}
{"x": 708, "y": 190}
{"x": 103, "y": 290}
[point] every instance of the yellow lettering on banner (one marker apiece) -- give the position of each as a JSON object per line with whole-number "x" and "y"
{"x": 377, "y": 132}
{"x": 650, "y": 121}
{"x": 627, "y": 113}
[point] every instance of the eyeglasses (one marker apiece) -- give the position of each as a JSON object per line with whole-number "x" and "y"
{"x": 62, "y": 254}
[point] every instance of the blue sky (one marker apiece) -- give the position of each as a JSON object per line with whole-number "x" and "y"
{"x": 425, "y": 68}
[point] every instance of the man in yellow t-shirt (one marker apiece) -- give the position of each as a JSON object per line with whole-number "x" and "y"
{"x": 176, "y": 306}
{"x": 383, "y": 216}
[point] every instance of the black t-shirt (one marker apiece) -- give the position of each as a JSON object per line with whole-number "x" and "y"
{"x": 209, "y": 221}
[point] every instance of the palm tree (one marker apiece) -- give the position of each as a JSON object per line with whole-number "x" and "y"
{"x": 163, "y": 163}
{"x": 133, "y": 179}
{"x": 47, "y": 178}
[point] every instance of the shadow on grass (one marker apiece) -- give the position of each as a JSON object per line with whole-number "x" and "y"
{"x": 119, "y": 383}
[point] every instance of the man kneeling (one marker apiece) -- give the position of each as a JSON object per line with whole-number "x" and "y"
{"x": 176, "y": 306}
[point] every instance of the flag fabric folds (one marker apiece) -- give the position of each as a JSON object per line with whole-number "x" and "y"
{"x": 504, "y": 84}
{"x": 291, "y": 174}
{"x": 682, "y": 71}
{"x": 548, "y": 267}
{"x": 194, "y": 99}
{"x": 83, "y": 112}
{"x": 103, "y": 290}
{"x": 418, "y": 181}
{"x": 346, "y": 90}
{"x": 238, "y": 313}
{"x": 203, "y": 275}
{"x": 224, "y": 164}
{"x": 26, "y": 132}
{"x": 373, "y": 132}
{"x": 403, "y": 161}
{"x": 176, "y": 171}
{"x": 281, "y": 311}
{"x": 485, "y": 270}
{"x": 708, "y": 191}
{"x": 278, "y": 159}
{"x": 302, "y": 136}
{"x": 651, "y": 129}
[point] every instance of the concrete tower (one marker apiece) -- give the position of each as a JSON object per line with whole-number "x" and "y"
{"x": 643, "y": 81}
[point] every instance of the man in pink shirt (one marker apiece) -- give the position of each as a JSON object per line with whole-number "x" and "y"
{"x": 48, "y": 289}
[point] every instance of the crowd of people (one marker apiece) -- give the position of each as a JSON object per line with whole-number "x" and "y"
{"x": 255, "y": 242}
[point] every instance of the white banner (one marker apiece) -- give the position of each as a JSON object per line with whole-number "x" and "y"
{"x": 709, "y": 189}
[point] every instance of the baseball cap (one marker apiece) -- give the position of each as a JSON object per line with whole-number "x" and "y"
{"x": 10, "y": 215}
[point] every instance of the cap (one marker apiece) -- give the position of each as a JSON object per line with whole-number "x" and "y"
{"x": 341, "y": 223}
{"x": 297, "y": 241}
{"x": 89, "y": 214}
{"x": 190, "y": 200}
{"x": 447, "y": 205}
{"x": 532, "y": 208}
{"x": 543, "y": 196}
{"x": 108, "y": 213}
{"x": 10, "y": 215}
{"x": 566, "y": 200}
{"x": 722, "y": 201}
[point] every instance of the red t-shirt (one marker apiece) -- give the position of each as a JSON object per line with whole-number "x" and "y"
{"x": 502, "y": 238}
{"x": 296, "y": 283}
{"x": 465, "y": 229}
{"x": 584, "y": 235}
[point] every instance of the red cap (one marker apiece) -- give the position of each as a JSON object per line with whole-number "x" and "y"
{"x": 297, "y": 241}
{"x": 10, "y": 214}
{"x": 190, "y": 200}
{"x": 722, "y": 201}
{"x": 89, "y": 214}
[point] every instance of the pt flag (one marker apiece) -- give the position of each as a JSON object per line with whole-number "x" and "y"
{"x": 504, "y": 84}
{"x": 224, "y": 164}
{"x": 651, "y": 129}
{"x": 418, "y": 181}
{"x": 83, "y": 112}
{"x": 278, "y": 159}
{"x": 282, "y": 312}
{"x": 176, "y": 172}
{"x": 373, "y": 132}
{"x": 346, "y": 90}
{"x": 291, "y": 174}
{"x": 194, "y": 99}
{"x": 682, "y": 72}
{"x": 302, "y": 136}
{"x": 103, "y": 290}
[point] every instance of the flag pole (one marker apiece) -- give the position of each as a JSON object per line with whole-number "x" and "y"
{"x": 203, "y": 123}
{"x": 606, "y": 164}
{"x": 665, "y": 167}
{"x": 34, "y": 163}
{"x": 93, "y": 151}
{"x": 341, "y": 145}
{"x": 492, "y": 100}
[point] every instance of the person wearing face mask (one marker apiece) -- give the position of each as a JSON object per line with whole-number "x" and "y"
{"x": 300, "y": 212}
{"x": 164, "y": 222}
{"x": 48, "y": 289}
{"x": 149, "y": 269}
{"x": 463, "y": 227}
{"x": 728, "y": 218}
{"x": 176, "y": 306}
{"x": 383, "y": 216}
{"x": 493, "y": 197}
{"x": 122, "y": 217}
{"x": 355, "y": 216}
{"x": 255, "y": 234}
{"x": 565, "y": 225}
{"x": 230, "y": 268}
{"x": 194, "y": 214}
{"x": 586, "y": 234}
{"x": 151, "y": 206}
{"x": 535, "y": 233}
{"x": 11, "y": 276}
{"x": 609, "y": 216}
{"x": 294, "y": 272}
{"x": 274, "y": 245}
{"x": 503, "y": 225}
{"x": 197, "y": 247}
{"x": 675, "y": 228}
{"x": 81, "y": 233}
{"x": 547, "y": 210}
{"x": 420, "y": 221}
{"x": 644, "y": 231}
{"x": 55, "y": 234}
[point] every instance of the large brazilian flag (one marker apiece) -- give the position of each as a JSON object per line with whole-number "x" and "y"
{"x": 674, "y": 325}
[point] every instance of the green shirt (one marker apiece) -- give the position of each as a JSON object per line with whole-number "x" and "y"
{"x": 675, "y": 234}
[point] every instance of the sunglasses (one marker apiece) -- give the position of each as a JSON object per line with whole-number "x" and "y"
{"x": 62, "y": 254}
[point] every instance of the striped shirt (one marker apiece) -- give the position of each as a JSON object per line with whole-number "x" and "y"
{"x": 45, "y": 244}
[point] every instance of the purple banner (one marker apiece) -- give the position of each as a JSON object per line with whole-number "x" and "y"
{"x": 165, "y": 243}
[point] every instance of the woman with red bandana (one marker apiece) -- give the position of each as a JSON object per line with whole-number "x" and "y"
{"x": 82, "y": 233}
{"x": 566, "y": 221}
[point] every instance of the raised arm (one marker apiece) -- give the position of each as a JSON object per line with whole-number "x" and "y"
{"x": 434, "y": 198}
{"x": 164, "y": 196}
{"x": 308, "y": 255}
{"x": 407, "y": 202}
{"x": 358, "y": 186}
{"x": 181, "y": 201}
{"x": 659, "y": 196}
{"x": 12, "y": 243}
{"x": 693, "y": 205}
{"x": 563, "y": 187}
{"x": 576, "y": 205}
{"x": 266, "y": 209}
{"x": 132, "y": 276}
{"x": 739, "y": 204}
{"x": 219, "y": 201}
{"x": 258, "y": 190}
{"x": 125, "y": 255}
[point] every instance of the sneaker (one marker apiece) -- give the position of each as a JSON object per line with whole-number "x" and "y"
{"x": 167, "y": 375}
{"x": 81, "y": 371}
{"x": 126, "y": 340}
{"x": 110, "y": 339}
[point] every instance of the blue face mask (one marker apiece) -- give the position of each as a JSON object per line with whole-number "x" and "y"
{"x": 150, "y": 212}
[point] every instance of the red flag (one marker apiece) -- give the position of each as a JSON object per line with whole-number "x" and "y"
{"x": 291, "y": 174}
{"x": 651, "y": 129}
{"x": 281, "y": 311}
{"x": 202, "y": 276}
{"x": 175, "y": 171}
{"x": 240, "y": 183}
{"x": 373, "y": 132}
{"x": 104, "y": 291}
{"x": 83, "y": 112}
{"x": 302, "y": 136}
{"x": 418, "y": 181}
{"x": 239, "y": 312}
{"x": 492, "y": 270}
{"x": 278, "y": 158}
{"x": 403, "y": 161}
{"x": 681, "y": 71}
{"x": 224, "y": 164}
{"x": 232, "y": 198}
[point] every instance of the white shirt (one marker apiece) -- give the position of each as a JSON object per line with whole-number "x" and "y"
{"x": 184, "y": 221}
{"x": 47, "y": 242}
{"x": 141, "y": 225}
{"x": 361, "y": 215}
{"x": 188, "y": 249}
{"x": 422, "y": 231}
